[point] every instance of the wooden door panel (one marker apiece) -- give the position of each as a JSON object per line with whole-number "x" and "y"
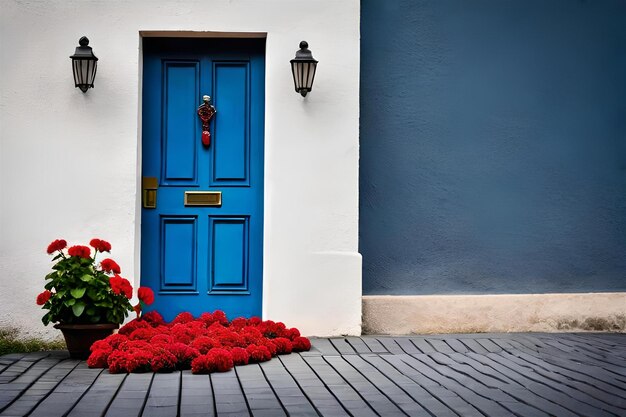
{"x": 229, "y": 254}
{"x": 178, "y": 250}
{"x": 231, "y": 153}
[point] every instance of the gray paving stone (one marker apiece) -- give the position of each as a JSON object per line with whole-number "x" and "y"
{"x": 131, "y": 397}
{"x": 229, "y": 397}
{"x": 358, "y": 345}
{"x": 345, "y": 394}
{"x": 374, "y": 345}
{"x": 390, "y": 344}
{"x": 67, "y": 392}
{"x": 422, "y": 345}
{"x": 342, "y": 346}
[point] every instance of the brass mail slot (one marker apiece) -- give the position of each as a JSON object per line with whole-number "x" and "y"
{"x": 203, "y": 198}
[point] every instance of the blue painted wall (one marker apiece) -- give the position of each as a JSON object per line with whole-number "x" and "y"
{"x": 493, "y": 146}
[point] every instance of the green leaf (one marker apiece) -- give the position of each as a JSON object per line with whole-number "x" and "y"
{"x": 103, "y": 304}
{"x": 78, "y": 292}
{"x": 86, "y": 278}
{"x": 70, "y": 302}
{"x": 78, "y": 308}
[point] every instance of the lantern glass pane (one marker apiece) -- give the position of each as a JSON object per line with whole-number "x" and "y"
{"x": 309, "y": 82}
{"x": 305, "y": 75}
{"x": 298, "y": 75}
{"x": 294, "y": 69}
{"x": 84, "y": 69}
{"x": 76, "y": 69}
{"x": 93, "y": 64}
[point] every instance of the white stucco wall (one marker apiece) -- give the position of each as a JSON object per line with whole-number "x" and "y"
{"x": 69, "y": 161}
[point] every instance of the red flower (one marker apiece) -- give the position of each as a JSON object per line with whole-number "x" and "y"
{"x": 222, "y": 359}
{"x": 184, "y": 355}
{"x": 118, "y": 361}
{"x": 163, "y": 360}
{"x": 109, "y": 265}
{"x": 116, "y": 339}
{"x": 145, "y": 295}
{"x": 219, "y": 360}
{"x": 271, "y": 347}
{"x": 131, "y": 326}
{"x": 58, "y": 244}
{"x": 283, "y": 345}
{"x": 145, "y": 333}
{"x": 230, "y": 339}
{"x": 258, "y": 353}
{"x": 300, "y": 344}
{"x": 130, "y": 345}
{"x": 121, "y": 285}
{"x": 251, "y": 335}
{"x": 183, "y": 333}
{"x": 184, "y": 317}
{"x": 153, "y": 317}
{"x": 240, "y": 356}
{"x": 139, "y": 360}
{"x": 101, "y": 345}
{"x": 127, "y": 289}
{"x": 98, "y": 359}
{"x": 206, "y": 318}
{"x": 43, "y": 297}
{"x": 239, "y": 323}
{"x": 100, "y": 245}
{"x": 271, "y": 329}
{"x": 254, "y": 321}
{"x": 116, "y": 284}
{"x": 291, "y": 333}
{"x": 204, "y": 344}
{"x": 220, "y": 317}
{"x": 203, "y": 364}
{"x": 161, "y": 339}
{"x": 217, "y": 316}
{"x": 80, "y": 251}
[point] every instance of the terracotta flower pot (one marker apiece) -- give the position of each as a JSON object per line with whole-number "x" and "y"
{"x": 80, "y": 337}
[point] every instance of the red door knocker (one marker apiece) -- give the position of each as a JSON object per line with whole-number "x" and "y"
{"x": 206, "y": 111}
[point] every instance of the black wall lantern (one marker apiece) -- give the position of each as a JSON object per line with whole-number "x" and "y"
{"x": 84, "y": 64}
{"x": 303, "y": 67}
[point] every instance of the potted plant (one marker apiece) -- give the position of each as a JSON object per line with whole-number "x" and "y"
{"x": 87, "y": 300}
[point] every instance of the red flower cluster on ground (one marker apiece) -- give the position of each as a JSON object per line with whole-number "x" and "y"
{"x": 58, "y": 244}
{"x": 78, "y": 250}
{"x": 207, "y": 344}
{"x": 100, "y": 245}
{"x": 43, "y": 297}
{"x": 121, "y": 285}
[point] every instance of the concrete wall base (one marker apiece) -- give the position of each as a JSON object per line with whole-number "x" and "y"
{"x": 384, "y": 314}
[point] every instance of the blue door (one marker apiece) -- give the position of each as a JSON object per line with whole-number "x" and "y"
{"x": 199, "y": 253}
